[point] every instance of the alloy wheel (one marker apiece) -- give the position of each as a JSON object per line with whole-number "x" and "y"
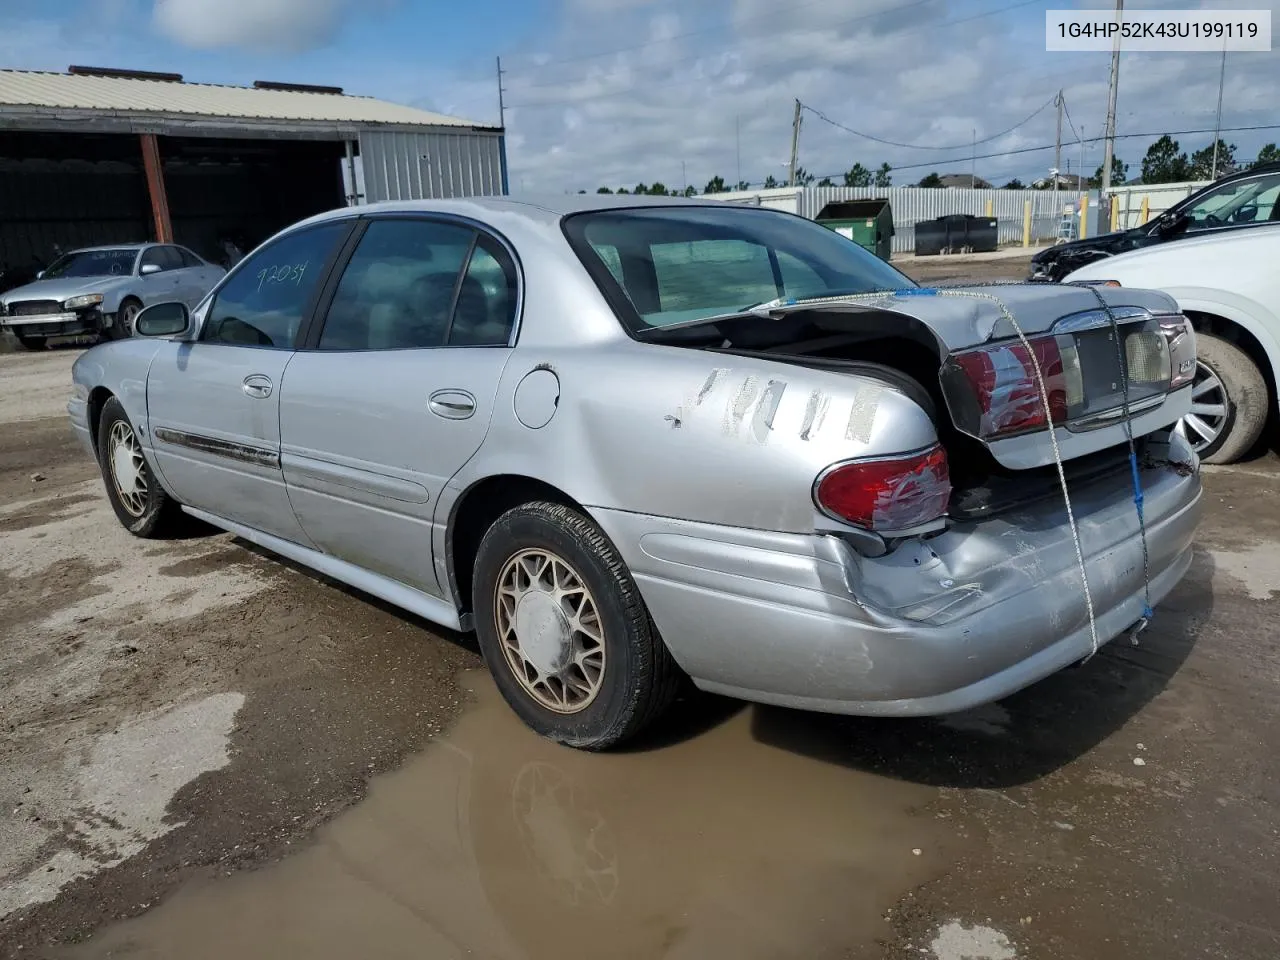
{"x": 1209, "y": 409}
{"x": 128, "y": 468}
{"x": 550, "y": 630}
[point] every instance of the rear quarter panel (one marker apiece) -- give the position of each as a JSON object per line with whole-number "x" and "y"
{"x": 690, "y": 435}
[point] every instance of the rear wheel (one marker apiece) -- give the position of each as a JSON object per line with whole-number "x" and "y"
{"x": 140, "y": 503}
{"x": 31, "y": 343}
{"x": 1228, "y": 402}
{"x": 564, "y": 630}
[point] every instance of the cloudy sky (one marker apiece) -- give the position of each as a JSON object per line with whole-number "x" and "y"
{"x": 620, "y": 91}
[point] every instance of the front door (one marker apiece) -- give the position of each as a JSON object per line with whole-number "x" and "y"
{"x": 214, "y": 403}
{"x": 394, "y": 391}
{"x": 164, "y": 283}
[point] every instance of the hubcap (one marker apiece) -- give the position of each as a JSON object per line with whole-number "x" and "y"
{"x": 127, "y": 316}
{"x": 1209, "y": 406}
{"x": 128, "y": 469}
{"x": 550, "y": 631}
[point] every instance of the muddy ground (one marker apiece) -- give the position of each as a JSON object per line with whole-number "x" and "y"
{"x": 208, "y": 753}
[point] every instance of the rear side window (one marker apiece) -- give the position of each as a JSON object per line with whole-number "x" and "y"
{"x": 418, "y": 284}
{"x": 264, "y": 303}
{"x": 665, "y": 265}
{"x": 189, "y": 259}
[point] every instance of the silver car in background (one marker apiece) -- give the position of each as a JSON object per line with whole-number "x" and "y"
{"x": 630, "y": 440}
{"x": 99, "y": 290}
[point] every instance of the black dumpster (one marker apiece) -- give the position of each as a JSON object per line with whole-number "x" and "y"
{"x": 868, "y": 223}
{"x": 931, "y": 238}
{"x": 956, "y": 232}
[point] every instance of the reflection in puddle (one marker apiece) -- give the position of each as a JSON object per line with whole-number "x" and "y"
{"x": 495, "y": 843}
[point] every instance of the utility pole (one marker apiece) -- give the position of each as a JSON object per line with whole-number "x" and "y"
{"x": 685, "y": 177}
{"x": 502, "y": 142}
{"x": 1104, "y": 208}
{"x": 1080, "y": 183}
{"x": 737, "y": 143}
{"x": 1057, "y": 143}
{"x": 795, "y": 143}
{"x": 1217, "y": 124}
{"x": 973, "y": 162}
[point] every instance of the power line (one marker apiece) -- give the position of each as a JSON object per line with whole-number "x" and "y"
{"x": 1050, "y": 146}
{"x": 916, "y": 146}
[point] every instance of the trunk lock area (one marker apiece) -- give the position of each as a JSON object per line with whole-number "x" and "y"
{"x": 1147, "y": 613}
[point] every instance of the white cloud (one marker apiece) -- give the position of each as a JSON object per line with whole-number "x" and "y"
{"x": 260, "y": 25}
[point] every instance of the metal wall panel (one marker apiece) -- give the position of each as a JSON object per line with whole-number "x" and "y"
{"x": 912, "y": 204}
{"x": 430, "y": 165}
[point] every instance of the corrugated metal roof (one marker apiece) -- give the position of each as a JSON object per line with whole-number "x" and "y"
{"x": 133, "y": 96}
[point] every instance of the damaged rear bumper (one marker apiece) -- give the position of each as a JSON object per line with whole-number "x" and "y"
{"x": 937, "y": 626}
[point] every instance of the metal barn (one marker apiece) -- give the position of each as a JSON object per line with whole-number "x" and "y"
{"x": 98, "y": 155}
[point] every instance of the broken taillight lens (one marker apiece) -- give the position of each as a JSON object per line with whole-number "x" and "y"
{"x": 887, "y": 494}
{"x": 1003, "y": 389}
{"x": 1181, "y": 337}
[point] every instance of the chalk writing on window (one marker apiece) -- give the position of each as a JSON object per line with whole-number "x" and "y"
{"x": 283, "y": 273}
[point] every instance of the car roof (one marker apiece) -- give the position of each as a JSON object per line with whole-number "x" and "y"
{"x": 114, "y": 246}
{"x": 546, "y": 208}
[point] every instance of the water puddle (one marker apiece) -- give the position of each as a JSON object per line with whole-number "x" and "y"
{"x": 495, "y": 843}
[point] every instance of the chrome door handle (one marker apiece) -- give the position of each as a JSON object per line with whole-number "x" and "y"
{"x": 452, "y": 404}
{"x": 257, "y": 386}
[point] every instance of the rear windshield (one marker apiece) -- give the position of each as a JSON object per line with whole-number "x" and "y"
{"x": 92, "y": 263}
{"x": 662, "y": 266}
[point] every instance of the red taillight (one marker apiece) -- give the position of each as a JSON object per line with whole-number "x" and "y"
{"x": 887, "y": 494}
{"x": 1004, "y": 384}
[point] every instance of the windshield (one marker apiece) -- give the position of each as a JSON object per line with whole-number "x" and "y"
{"x": 663, "y": 266}
{"x": 92, "y": 263}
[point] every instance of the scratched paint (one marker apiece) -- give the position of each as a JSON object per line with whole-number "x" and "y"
{"x": 815, "y": 408}
{"x": 710, "y": 383}
{"x": 738, "y": 405}
{"x": 762, "y": 422}
{"x": 862, "y": 416}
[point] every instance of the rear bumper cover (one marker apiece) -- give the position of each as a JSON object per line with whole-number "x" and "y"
{"x": 938, "y": 626}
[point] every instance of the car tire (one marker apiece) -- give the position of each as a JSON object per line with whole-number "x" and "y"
{"x": 549, "y": 586}
{"x": 1244, "y": 390}
{"x": 122, "y": 329}
{"x": 140, "y": 503}
{"x": 31, "y": 343}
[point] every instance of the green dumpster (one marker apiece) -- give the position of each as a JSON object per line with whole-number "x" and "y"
{"x": 868, "y": 223}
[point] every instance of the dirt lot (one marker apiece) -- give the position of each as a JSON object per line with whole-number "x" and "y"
{"x": 209, "y": 753}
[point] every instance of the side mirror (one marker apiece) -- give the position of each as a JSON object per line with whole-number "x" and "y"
{"x": 162, "y": 320}
{"x": 39, "y": 274}
{"x": 149, "y": 268}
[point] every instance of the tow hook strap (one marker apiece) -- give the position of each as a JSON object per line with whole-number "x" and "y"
{"x": 1147, "y": 612}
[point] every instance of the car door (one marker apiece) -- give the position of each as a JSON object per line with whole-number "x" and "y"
{"x": 394, "y": 392}
{"x": 214, "y": 402}
{"x": 199, "y": 278}
{"x": 160, "y": 275}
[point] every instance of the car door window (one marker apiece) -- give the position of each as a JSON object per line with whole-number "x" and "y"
{"x": 486, "y": 309}
{"x": 1236, "y": 204}
{"x": 189, "y": 259}
{"x": 264, "y": 302}
{"x": 401, "y": 289}
{"x": 161, "y": 257}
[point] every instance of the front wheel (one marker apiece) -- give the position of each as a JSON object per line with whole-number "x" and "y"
{"x": 1228, "y": 402}
{"x": 564, "y": 631}
{"x": 122, "y": 329}
{"x": 140, "y": 503}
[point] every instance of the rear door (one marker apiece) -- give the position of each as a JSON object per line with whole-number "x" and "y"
{"x": 394, "y": 391}
{"x": 214, "y": 404}
{"x": 200, "y": 276}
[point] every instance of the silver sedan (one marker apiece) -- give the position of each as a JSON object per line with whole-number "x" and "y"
{"x": 631, "y": 441}
{"x": 99, "y": 290}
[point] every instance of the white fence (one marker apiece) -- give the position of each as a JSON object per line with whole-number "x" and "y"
{"x": 910, "y": 205}
{"x": 1160, "y": 197}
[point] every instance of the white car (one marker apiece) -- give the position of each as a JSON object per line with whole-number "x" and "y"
{"x": 1229, "y": 285}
